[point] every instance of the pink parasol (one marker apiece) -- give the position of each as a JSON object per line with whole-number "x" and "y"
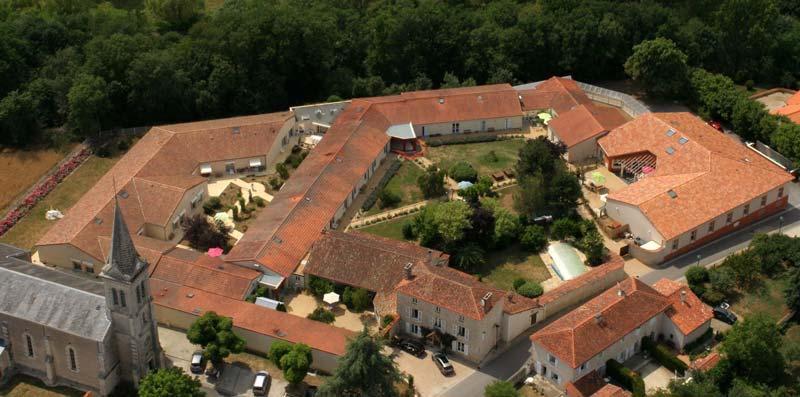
{"x": 648, "y": 169}
{"x": 214, "y": 252}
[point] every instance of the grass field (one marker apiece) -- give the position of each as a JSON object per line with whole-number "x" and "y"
{"x": 504, "y": 266}
{"x": 26, "y": 386}
{"x": 767, "y": 299}
{"x": 34, "y": 225}
{"x": 390, "y": 229}
{"x": 477, "y": 154}
{"x": 404, "y": 183}
{"x": 20, "y": 169}
{"x": 506, "y": 198}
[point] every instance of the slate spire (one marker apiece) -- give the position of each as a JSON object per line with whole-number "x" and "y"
{"x": 123, "y": 263}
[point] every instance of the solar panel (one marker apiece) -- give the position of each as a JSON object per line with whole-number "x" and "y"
{"x": 670, "y": 150}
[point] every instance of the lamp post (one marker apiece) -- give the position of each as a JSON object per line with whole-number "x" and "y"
{"x": 698, "y": 259}
{"x": 780, "y": 224}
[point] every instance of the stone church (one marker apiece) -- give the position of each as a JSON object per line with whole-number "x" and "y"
{"x": 71, "y": 330}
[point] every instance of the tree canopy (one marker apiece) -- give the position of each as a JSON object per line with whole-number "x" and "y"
{"x": 660, "y": 66}
{"x": 363, "y": 371}
{"x": 169, "y": 382}
{"x": 215, "y": 334}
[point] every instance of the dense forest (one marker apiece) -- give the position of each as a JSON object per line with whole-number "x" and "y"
{"x": 90, "y": 66}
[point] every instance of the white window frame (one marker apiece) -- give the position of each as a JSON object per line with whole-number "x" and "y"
{"x": 461, "y": 347}
{"x": 415, "y": 314}
{"x": 764, "y": 200}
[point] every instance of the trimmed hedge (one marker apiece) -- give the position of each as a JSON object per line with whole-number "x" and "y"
{"x": 373, "y": 195}
{"x": 664, "y": 356}
{"x": 464, "y": 139}
{"x": 625, "y": 377}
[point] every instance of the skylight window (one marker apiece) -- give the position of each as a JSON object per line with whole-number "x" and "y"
{"x": 683, "y": 140}
{"x": 123, "y": 194}
{"x": 670, "y": 150}
{"x": 671, "y": 132}
{"x": 672, "y": 193}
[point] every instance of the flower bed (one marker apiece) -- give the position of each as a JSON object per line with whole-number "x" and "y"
{"x": 42, "y": 189}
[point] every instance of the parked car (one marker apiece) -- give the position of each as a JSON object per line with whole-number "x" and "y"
{"x": 444, "y": 364}
{"x": 723, "y": 313}
{"x": 412, "y": 347}
{"x": 261, "y": 383}
{"x": 198, "y": 363}
{"x": 716, "y": 125}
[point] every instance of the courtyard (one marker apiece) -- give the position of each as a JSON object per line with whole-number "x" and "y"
{"x": 404, "y": 185}
{"x": 486, "y": 157}
{"x": 303, "y": 304}
{"x": 428, "y": 380}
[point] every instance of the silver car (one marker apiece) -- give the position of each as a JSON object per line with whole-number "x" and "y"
{"x": 261, "y": 383}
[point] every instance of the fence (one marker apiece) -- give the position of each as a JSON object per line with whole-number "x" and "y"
{"x": 627, "y": 103}
{"x": 771, "y": 154}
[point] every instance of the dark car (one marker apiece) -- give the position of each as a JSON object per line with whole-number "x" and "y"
{"x": 444, "y": 364}
{"x": 261, "y": 383}
{"x": 722, "y": 313}
{"x": 412, "y": 347}
{"x": 198, "y": 363}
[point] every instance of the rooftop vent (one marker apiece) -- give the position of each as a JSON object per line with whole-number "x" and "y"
{"x": 196, "y": 310}
{"x": 190, "y": 295}
{"x": 598, "y": 318}
{"x": 672, "y": 193}
{"x": 485, "y": 300}
{"x": 235, "y": 130}
{"x": 98, "y": 221}
{"x": 123, "y": 194}
{"x": 441, "y": 101}
{"x": 407, "y": 270}
{"x": 671, "y": 132}
{"x": 670, "y": 150}
{"x": 683, "y": 140}
{"x": 308, "y": 199}
{"x": 277, "y": 239}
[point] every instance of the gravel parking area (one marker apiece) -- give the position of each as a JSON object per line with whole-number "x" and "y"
{"x": 427, "y": 378}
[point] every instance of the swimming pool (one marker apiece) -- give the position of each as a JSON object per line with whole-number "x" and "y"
{"x": 566, "y": 262}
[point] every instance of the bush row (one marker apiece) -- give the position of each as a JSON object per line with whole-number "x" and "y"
{"x": 664, "y": 356}
{"x": 463, "y": 139}
{"x": 626, "y": 377}
{"x": 373, "y": 195}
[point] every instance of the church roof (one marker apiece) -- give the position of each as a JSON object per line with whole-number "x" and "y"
{"x": 124, "y": 263}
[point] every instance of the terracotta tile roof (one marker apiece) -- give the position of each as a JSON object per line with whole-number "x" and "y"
{"x": 156, "y": 173}
{"x": 516, "y": 303}
{"x": 584, "y": 122}
{"x": 200, "y": 271}
{"x": 790, "y": 111}
{"x": 710, "y": 172}
{"x": 610, "y": 390}
{"x": 706, "y": 363}
{"x": 586, "y": 386}
{"x": 558, "y": 93}
{"x": 252, "y": 317}
{"x": 579, "y": 335}
{"x": 687, "y": 312}
{"x": 614, "y": 263}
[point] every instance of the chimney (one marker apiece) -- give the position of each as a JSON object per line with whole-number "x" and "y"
{"x": 683, "y": 296}
{"x": 485, "y": 301}
{"x": 407, "y": 270}
{"x": 620, "y": 292}
{"x": 598, "y": 318}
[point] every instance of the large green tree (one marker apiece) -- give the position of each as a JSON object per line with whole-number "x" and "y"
{"x": 660, "y": 66}
{"x": 363, "y": 371}
{"x": 215, "y": 334}
{"x": 296, "y": 362}
{"x": 169, "y": 382}
{"x": 751, "y": 348}
{"x": 500, "y": 389}
{"x": 88, "y": 104}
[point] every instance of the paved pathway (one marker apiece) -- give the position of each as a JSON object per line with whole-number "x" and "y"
{"x": 389, "y": 215}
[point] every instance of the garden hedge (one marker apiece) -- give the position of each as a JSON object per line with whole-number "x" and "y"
{"x": 373, "y": 195}
{"x": 665, "y": 356}
{"x": 625, "y": 377}
{"x": 690, "y": 347}
{"x": 463, "y": 139}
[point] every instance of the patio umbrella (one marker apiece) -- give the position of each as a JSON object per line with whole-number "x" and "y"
{"x": 598, "y": 178}
{"x": 545, "y": 117}
{"x": 330, "y": 298}
{"x": 214, "y": 252}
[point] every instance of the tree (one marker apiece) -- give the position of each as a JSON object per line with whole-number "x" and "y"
{"x": 530, "y": 289}
{"x": 565, "y": 228}
{"x": 215, "y": 334}
{"x": 786, "y": 139}
{"x": 500, "y": 389}
{"x": 562, "y": 194}
{"x": 538, "y": 157}
{"x": 168, "y": 382}
{"x": 697, "y": 275}
{"x": 281, "y": 169}
{"x": 721, "y": 280}
{"x": 359, "y": 300}
{"x": 530, "y": 200}
{"x": 175, "y": 14}
{"x": 481, "y": 230}
{"x": 277, "y": 350}
{"x": 322, "y": 315}
{"x": 388, "y": 199}
{"x": 452, "y": 219}
{"x": 463, "y": 171}
{"x": 746, "y": 116}
{"x": 319, "y": 286}
{"x": 506, "y": 226}
{"x": 363, "y": 371}
{"x": 792, "y": 292}
{"x": 88, "y": 104}
{"x": 296, "y": 362}
{"x": 533, "y": 238}
{"x": 752, "y": 349}
{"x": 660, "y": 66}
{"x": 744, "y": 268}
{"x": 593, "y": 246}
{"x": 469, "y": 257}
{"x": 431, "y": 183}
{"x": 18, "y": 123}
{"x": 203, "y": 235}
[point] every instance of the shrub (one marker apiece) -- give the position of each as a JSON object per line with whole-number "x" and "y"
{"x": 626, "y": 378}
{"x": 373, "y": 195}
{"x": 236, "y": 214}
{"x": 275, "y": 182}
{"x": 664, "y": 356}
{"x": 696, "y": 275}
{"x": 530, "y": 289}
{"x": 491, "y": 157}
{"x": 212, "y": 205}
{"x": 463, "y": 139}
{"x": 593, "y": 246}
{"x": 386, "y": 320}
{"x": 282, "y": 170}
{"x": 564, "y": 228}
{"x": 518, "y": 282}
{"x": 463, "y": 171}
{"x": 388, "y": 199}
{"x": 294, "y": 160}
{"x": 259, "y": 201}
{"x": 296, "y": 149}
{"x": 713, "y": 297}
{"x": 408, "y": 230}
{"x": 534, "y": 238}
{"x": 277, "y": 350}
{"x": 242, "y": 205}
{"x": 319, "y": 286}
{"x": 322, "y": 315}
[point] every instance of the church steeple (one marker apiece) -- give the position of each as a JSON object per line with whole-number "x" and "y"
{"x": 123, "y": 263}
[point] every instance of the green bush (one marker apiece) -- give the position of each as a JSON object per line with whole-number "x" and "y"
{"x": 275, "y": 182}
{"x": 530, "y": 289}
{"x": 359, "y": 300}
{"x": 259, "y": 201}
{"x": 282, "y": 170}
{"x": 373, "y": 195}
{"x": 319, "y": 286}
{"x": 491, "y": 157}
{"x": 463, "y": 171}
{"x": 408, "y": 230}
{"x": 322, "y": 315}
{"x": 534, "y": 238}
{"x": 277, "y": 350}
{"x": 696, "y": 275}
{"x": 664, "y": 356}
{"x": 463, "y": 139}
{"x": 626, "y": 378}
{"x": 713, "y": 297}
{"x": 386, "y": 320}
{"x": 565, "y": 228}
{"x": 388, "y": 199}
{"x": 518, "y": 282}
{"x": 212, "y": 205}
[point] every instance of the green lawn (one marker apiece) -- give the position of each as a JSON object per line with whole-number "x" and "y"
{"x": 390, "y": 229}
{"x": 767, "y": 299}
{"x": 506, "y": 197}
{"x": 404, "y": 183}
{"x": 504, "y": 266}
{"x": 28, "y": 231}
{"x": 26, "y": 386}
{"x": 477, "y": 154}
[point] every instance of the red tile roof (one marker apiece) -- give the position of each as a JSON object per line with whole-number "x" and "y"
{"x": 558, "y": 93}
{"x": 710, "y": 172}
{"x": 580, "y": 335}
{"x": 586, "y": 386}
{"x": 791, "y": 109}
{"x": 252, "y": 317}
{"x": 195, "y": 270}
{"x": 708, "y": 362}
{"x": 585, "y": 122}
{"x": 687, "y": 312}
{"x": 610, "y": 390}
{"x": 595, "y": 274}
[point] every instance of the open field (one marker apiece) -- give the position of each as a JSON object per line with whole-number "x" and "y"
{"x": 32, "y": 227}
{"x": 26, "y": 386}
{"x": 390, "y": 229}
{"x": 506, "y": 197}
{"x": 504, "y": 266}
{"x": 767, "y": 299}
{"x": 403, "y": 183}
{"x": 20, "y": 169}
{"x": 477, "y": 154}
